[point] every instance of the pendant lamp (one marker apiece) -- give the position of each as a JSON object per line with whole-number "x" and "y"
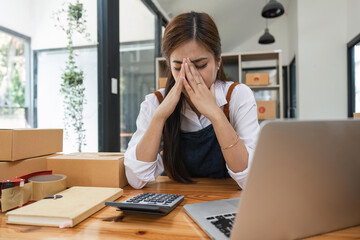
{"x": 273, "y": 9}
{"x": 266, "y": 38}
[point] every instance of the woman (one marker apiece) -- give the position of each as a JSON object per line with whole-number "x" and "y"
{"x": 206, "y": 126}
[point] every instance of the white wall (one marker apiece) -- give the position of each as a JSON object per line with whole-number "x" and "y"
{"x": 353, "y": 28}
{"x": 15, "y": 15}
{"x": 321, "y": 60}
{"x": 136, "y": 21}
{"x": 34, "y": 19}
{"x": 45, "y": 35}
{"x": 292, "y": 31}
{"x": 279, "y": 29}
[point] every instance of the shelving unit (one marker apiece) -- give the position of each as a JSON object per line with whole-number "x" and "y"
{"x": 236, "y": 65}
{"x": 265, "y": 59}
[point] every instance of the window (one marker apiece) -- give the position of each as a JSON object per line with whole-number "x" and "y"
{"x": 141, "y": 29}
{"x": 137, "y": 63}
{"x": 15, "y": 91}
{"x": 354, "y": 76}
{"x": 48, "y": 64}
{"x": 357, "y": 77}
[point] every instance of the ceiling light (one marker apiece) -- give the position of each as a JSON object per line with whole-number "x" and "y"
{"x": 266, "y": 38}
{"x": 273, "y": 9}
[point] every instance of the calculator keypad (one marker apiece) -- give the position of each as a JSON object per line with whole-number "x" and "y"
{"x": 154, "y": 199}
{"x": 150, "y": 203}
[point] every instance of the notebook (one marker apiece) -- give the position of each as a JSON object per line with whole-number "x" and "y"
{"x": 304, "y": 180}
{"x": 75, "y": 205}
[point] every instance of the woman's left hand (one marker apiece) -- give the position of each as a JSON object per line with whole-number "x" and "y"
{"x": 201, "y": 97}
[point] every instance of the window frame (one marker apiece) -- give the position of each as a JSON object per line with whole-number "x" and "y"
{"x": 351, "y": 74}
{"x": 160, "y": 21}
{"x": 35, "y": 71}
{"x": 109, "y": 67}
{"x": 29, "y": 84}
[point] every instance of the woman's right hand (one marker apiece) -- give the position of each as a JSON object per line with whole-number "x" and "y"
{"x": 169, "y": 103}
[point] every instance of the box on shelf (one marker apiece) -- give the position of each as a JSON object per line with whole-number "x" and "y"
{"x": 17, "y": 144}
{"x": 90, "y": 169}
{"x": 9, "y": 170}
{"x": 266, "y": 109}
{"x": 162, "y": 82}
{"x": 257, "y": 79}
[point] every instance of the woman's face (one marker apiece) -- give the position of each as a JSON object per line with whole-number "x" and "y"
{"x": 203, "y": 60}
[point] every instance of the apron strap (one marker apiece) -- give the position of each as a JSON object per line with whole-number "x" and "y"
{"x": 228, "y": 97}
{"x": 159, "y": 96}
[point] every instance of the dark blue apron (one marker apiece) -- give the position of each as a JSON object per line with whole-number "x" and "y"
{"x": 200, "y": 151}
{"x": 201, "y": 154}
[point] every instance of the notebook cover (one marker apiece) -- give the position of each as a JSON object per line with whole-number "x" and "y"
{"x": 77, "y": 204}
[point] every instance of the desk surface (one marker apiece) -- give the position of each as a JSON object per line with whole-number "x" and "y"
{"x": 111, "y": 224}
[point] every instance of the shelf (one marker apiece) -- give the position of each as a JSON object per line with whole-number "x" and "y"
{"x": 265, "y": 87}
{"x": 273, "y": 55}
{"x": 264, "y": 60}
{"x": 227, "y": 58}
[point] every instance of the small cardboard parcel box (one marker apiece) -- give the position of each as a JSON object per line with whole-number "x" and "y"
{"x": 17, "y": 144}
{"x": 257, "y": 79}
{"x": 266, "y": 109}
{"x": 9, "y": 170}
{"x": 162, "y": 82}
{"x": 90, "y": 169}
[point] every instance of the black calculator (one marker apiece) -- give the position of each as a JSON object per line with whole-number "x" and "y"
{"x": 150, "y": 203}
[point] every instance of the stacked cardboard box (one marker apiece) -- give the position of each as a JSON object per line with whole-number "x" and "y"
{"x": 23, "y": 151}
{"x": 9, "y": 170}
{"x": 90, "y": 169}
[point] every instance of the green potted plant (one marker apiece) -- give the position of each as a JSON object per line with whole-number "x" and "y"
{"x": 71, "y": 19}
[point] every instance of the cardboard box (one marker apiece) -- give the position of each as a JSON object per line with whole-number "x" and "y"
{"x": 17, "y": 144}
{"x": 162, "y": 82}
{"x": 257, "y": 79}
{"x": 9, "y": 170}
{"x": 266, "y": 109}
{"x": 90, "y": 169}
{"x": 356, "y": 115}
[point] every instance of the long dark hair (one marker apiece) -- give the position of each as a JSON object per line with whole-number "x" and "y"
{"x": 181, "y": 29}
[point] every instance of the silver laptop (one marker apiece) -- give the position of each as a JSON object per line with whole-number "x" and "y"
{"x": 304, "y": 181}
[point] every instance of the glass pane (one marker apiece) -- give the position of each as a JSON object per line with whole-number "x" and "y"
{"x": 357, "y": 77}
{"x": 50, "y": 66}
{"x": 137, "y": 63}
{"x": 14, "y": 82}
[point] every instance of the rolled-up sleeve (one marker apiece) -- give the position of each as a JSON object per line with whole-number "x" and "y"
{"x": 138, "y": 172}
{"x": 243, "y": 117}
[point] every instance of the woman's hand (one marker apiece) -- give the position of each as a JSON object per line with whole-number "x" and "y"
{"x": 167, "y": 107}
{"x": 201, "y": 97}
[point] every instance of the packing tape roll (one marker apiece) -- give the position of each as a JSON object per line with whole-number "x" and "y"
{"x": 44, "y": 185}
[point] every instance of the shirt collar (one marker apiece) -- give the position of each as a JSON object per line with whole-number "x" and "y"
{"x": 219, "y": 93}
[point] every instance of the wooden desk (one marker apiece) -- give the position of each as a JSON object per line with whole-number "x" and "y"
{"x": 111, "y": 224}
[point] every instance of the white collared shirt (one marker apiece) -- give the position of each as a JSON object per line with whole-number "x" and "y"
{"x": 243, "y": 118}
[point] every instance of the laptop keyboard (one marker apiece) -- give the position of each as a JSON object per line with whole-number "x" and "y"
{"x": 223, "y": 222}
